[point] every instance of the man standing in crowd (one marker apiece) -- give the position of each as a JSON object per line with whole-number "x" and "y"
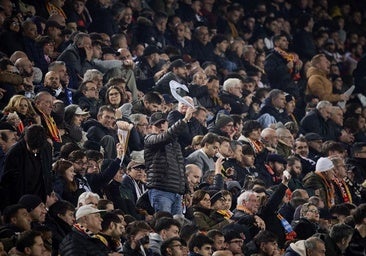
{"x": 164, "y": 161}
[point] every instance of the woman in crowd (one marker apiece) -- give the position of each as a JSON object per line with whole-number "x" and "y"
{"x": 65, "y": 184}
{"x": 308, "y": 222}
{"x": 204, "y": 217}
{"x": 23, "y": 108}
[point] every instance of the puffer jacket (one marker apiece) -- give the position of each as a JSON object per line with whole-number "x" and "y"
{"x": 164, "y": 160}
{"x": 319, "y": 85}
{"x": 77, "y": 243}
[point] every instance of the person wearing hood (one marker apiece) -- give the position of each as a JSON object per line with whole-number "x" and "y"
{"x": 306, "y": 247}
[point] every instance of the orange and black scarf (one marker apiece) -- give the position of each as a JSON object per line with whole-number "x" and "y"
{"x": 52, "y": 129}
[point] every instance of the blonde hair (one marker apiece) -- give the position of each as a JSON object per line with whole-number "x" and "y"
{"x": 14, "y": 103}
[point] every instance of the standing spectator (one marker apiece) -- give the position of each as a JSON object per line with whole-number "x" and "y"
{"x": 282, "y": 68}
{"x": 161, "y": 146}
{"x": 318, "y": 83}
{"x": 27, "y": 167}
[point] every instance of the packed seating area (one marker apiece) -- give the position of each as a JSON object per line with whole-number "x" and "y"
{"x": 182, "y": 127}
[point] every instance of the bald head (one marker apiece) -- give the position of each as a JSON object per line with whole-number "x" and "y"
{"x": 52, "y": 80}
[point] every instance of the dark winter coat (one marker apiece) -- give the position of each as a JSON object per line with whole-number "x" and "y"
{"x": 164, "y": 160}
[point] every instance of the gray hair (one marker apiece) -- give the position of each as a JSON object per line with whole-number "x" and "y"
{"x": 323, "y": 104}
{"x": 135, "y": 118}
{"x": 82, "y": 198}
{"x": 55, "y": 64}
{"x": 79, "y": 37}
{"x": 312, "y": 243}
{"x": 245, "y": 196}
{"x": 231, "y": 82}
{"x": 91, "y": 74}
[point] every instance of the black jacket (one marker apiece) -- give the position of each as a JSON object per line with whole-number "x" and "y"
{"x": 76, "y": 243}
{"x": 25, "y": 173}
{"x": 164, "y": 160}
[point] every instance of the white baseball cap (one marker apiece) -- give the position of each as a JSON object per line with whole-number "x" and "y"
{"x": 86, "y": 210}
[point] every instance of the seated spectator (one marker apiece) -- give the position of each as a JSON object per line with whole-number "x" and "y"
{"x": 205, "y": 218}
{"x": 150, "y": 104}
{"x": 74, "y": 117}
{"x": 88, "y": 224}
{"x": 112, "y": 230}
{"x": 177, "y": 72}
{"x": 308, "y": 224}
{"x": 232, "y": 95}
{"x": 203, "y": 157}
{"x": 77, "y": 57}
{"x": 165, "y": 228}
{"x": 36, "y": 209}
{"x": 246, "y": 213}
{"x": 265, "y": 243}
{"x": 200, "y": 245}
{"x": 16, "y": 219}
{"x": 137, "y": 243}
{"x": 101, "y": 132}
{"x": 24, "y": 109}
{"x": 132, "y": 186}
{"x": 60, "y": 219}
{"x": 172, "y": 247}
{"x": 272, "y": 170}
{"x": 30, "y": 243}
{"x": 316, "y": 121}
{"x": 89, "y": 100}
{"x": 273, "y": 109}
{"x": 320, "y": 182}
{"x": 65, "y": 183}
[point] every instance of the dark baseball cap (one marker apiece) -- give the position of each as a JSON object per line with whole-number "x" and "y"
{"x": 157, "y": 117}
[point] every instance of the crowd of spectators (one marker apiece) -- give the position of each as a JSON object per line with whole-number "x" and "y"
{"x": 182, "y": 127}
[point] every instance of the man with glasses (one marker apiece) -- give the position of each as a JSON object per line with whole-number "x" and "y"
{"x": 132, "y": 186}
{"x": 232, "y": 95}
{"x": 172, "y": 247}
{"x": 165, "y": 163}
{"x": 234, "y": 242}
{"x": 89, "y": 101}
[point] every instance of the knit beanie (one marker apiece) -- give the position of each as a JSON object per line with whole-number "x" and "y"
{"x": 30, "y": 202}
{"x": 324, "y": 164}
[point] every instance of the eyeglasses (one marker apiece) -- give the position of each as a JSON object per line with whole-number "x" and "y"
{"x": 313, "y": 211}
{"x": 178, "y": 245}
{"x": 138, "y": 169}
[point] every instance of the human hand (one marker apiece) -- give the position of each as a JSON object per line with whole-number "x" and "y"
{"x": 189, "y": 113}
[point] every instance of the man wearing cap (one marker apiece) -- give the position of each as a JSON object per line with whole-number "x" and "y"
{"x": 165, "y": 164}
{"x": 272, "y": 170}
{"x": 35, "y": 207}
{"x": 224, "y": 126}
{"x": 177, "y": 72}
{"x": 82, "y": 240}
{"x": 315, "y": 142}
{"x": 132, "y": 186}
{"x": 319, "y": 183}
{"x": 145, "y": 69}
